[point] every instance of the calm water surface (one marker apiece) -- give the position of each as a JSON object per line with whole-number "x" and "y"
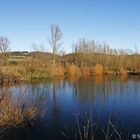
{"x": 69, "y": 102}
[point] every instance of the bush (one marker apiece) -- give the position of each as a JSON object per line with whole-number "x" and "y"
{"x": 13, "y": 73}
{"x": 98, "y": 69}
{"x": 72, "y": 70}
{"x": 13, "y": 113}
{"x": 13, "y": 62}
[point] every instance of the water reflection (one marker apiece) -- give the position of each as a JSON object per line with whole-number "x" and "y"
{"x": 117, "y": 98}
{"x": 104, "y": 87}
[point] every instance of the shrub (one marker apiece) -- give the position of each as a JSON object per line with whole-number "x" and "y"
{"x": 13, "y": 73}
{"x": 14, "y": 114}
{"x": 52, "y": 70}
{"x": 13, "y": 62}
{"x": 72, "y": 69}
{"x": 98, "y": 69}
{"x": 60, "y": 71}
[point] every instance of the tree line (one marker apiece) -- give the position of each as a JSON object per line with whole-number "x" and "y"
{"x": 87, "y": 56}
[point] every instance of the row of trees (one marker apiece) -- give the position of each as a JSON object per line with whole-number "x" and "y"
{"x": 89, "y": 53}
{"x": 86, "y": 52}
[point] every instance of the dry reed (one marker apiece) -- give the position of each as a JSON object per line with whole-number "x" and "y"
{"x": 14, "y": 113}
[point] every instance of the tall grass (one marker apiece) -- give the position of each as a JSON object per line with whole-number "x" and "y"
{"x": 14, "y": 113}
{"x": 86, "y": 132}
{"x": 87, "y": 129}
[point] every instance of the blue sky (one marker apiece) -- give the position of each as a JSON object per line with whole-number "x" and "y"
{"x": 116, "y": 22}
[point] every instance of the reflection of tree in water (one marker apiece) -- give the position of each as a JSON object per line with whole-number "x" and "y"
{"x": 72, "y": 79}
{"x": 84, "y": 89}
{"x": 37, "y": 93}
{"x": 28, "y": 95}
{"x": 55, "y": 104}
{"x": 102, "y": 87}
{"x": 55, "y": 121}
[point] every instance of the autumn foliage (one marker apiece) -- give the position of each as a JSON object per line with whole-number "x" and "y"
{"x": 72, "y": 70}
{"x": 98, "y": 69}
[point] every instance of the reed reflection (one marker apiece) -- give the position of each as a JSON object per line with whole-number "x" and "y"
{"x": 87, "y": 89}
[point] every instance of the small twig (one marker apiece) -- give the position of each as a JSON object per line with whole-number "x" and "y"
{"x": 115, "y": 130}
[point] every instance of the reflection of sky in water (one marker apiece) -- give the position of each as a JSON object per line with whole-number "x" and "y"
{"x": 114, "y": 98}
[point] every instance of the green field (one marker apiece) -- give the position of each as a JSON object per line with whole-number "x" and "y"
{"x": 18, "y": 58}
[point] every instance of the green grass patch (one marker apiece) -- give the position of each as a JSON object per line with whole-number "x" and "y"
{"x": 18, "y": 58}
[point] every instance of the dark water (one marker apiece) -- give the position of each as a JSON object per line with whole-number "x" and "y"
{"x": 71, "y": 102}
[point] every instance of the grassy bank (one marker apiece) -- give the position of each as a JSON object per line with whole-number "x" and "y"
{"x": 87, "y": 59}
{"x": 21, "y": 72}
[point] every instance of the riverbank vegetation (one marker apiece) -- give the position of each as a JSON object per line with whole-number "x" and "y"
{"x": 87, "y": 58}
{"x": 14, "y": 112}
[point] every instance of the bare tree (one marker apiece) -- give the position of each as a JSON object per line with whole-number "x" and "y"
{"x": 55, "y": 39}
{"x": 4, "y": 44}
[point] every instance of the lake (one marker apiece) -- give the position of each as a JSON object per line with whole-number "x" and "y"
{"x": 110, "y": 105}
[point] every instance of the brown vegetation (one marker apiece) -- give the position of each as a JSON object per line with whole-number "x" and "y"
{"x": 13, "y": 73}
{"x": 85, "y": 71}
{"x": 72, "y": 79}
{"x": 123, "y": 71}
{"x": 13, "y": 113}
{"x": 55, "y": 70}
{"x": 99, "y": 79}
{"x": 88, "y": 58}
{"x": 72, "y": 70}
{"x": 98, "y": 69}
